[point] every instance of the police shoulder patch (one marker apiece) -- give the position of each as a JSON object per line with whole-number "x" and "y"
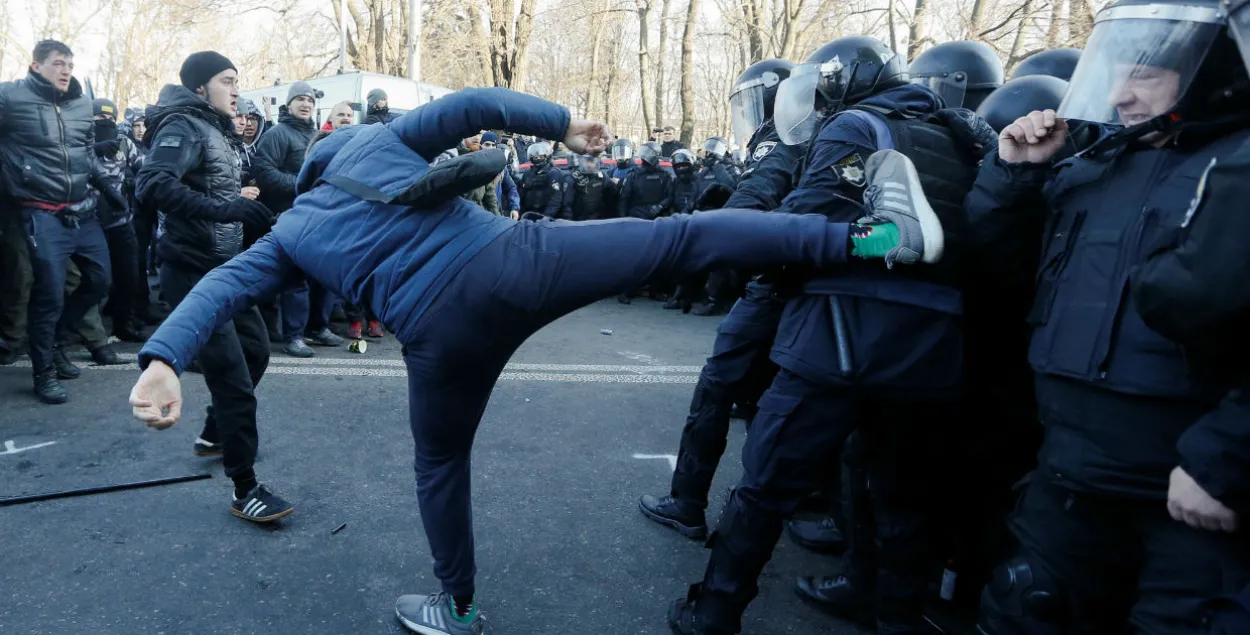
{"x": 555, "y": 185}
{"x": 851, "y": 170}
{"x": 172, "y": 141}
{"x": 762, "y": 150}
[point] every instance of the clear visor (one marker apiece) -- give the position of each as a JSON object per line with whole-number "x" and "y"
{"x": 716, "y": 147}
{"x": 588, "y": 165}
{"x": 1134, "y": 67}
{"x": 1239, "y": 27}
{"x": 538, "y": 150}
{"x": 746, "y": 106}
{"x": 794, "y": 111}
{"x": 951, "y": 87}
{"x": 622, "y": 152}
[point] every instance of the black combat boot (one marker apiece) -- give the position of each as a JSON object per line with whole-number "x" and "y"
{"x": 687, "y": 519}
{"x": 820, "y": 536}
{"x": 838, "y": 597}
{"x": 65, "y": 369}
{"x": 48, "y": 389}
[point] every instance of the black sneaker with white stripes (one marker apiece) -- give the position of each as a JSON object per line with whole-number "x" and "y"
{"x": 260, "y": 506}
{"x": 207, "y": 448}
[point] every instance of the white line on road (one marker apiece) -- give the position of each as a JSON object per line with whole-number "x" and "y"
{"x": 11, "y": 448}
{"x": 365, "y": 371}
{"x": 671, "y": 458}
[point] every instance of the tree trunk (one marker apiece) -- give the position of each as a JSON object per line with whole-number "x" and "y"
{"x": 481, "y": 40}
{"x": 594, "y": 86}
{"x": 500, "y": 42}
{"x": 916, "y": 36}
{"x": 1017, "y": 44}
{"x": 687, "y": 74}
{"x": 521, "y": 48}
{"x": 1080, "y": 23}
{"x": 790, "y": 35}
{"x": 1055, "y": 29}
{"x": 755, "y": 37}
{"x": 379, "y": 35}
{"x": 659, "y": 64}
{"x": 891, "y": 21}
{"x": 644, "y": 70}
{"x": 975, "y": 24}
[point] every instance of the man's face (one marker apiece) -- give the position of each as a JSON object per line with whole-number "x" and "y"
{"x": 380, "y": 105}
{"x": 341, "y": 117}
{"x": 250, "y": 124}
{"x": 473, "y": 143}
{"x": 139, "y": 128}
{"x": 105, "y": 117}
{"x": 668, "y": 135}
{"x": 240, "y": 124}
{"x": 487, "y": 145}
{"x": 222, "y": 92}
{"x": 301, "y": 107}
{"x": 58, "y": 69}
{"x": 1145, "y": 92}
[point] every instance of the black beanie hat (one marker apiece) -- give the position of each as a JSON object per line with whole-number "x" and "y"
{"x": 200, "y": 67}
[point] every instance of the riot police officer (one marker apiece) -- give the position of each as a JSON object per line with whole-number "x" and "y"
{"x": 646, "y": 190}
{"x": 685, "y": 182}
{"x": 623, "y": 154}
{"x": 1055, "y": 62}
{"x": 1158, "y": 99}
{"x": 713, "y": 171}
{"x": 862, "y": 347}
{"x": 541, "y": 186}
{"x": 583, "y": 186}
{"x": 964, "y": 73}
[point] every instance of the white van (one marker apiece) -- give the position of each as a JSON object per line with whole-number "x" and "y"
{"x": 353, "y": 86}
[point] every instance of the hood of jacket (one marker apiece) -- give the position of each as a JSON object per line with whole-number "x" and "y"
{"x": 179, "y": 100}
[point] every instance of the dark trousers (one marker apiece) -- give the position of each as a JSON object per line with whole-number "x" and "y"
{"x": 125, "y": 265}
{"x": 1124, "y": 566}
{"x": 16, "y": 277}
{"x": 533, "y": 274}
{"x": 233, "y": 361}
{"x": 52, "y": 245}
{"x": 799, "y": 430}
{"x": 305, "y": 309}
{"x": 737, "y": 372}
{"x": 358, "y": 312}
{"x": 145, "y": 229}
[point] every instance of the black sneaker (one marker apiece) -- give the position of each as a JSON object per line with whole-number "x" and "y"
{"x": 432, "y": 615}
{"x": 48, "y": 389}
{"x": 106, "y": 356}
{"x": 323, "y": 338}
{"x": 837, "y": 597}
{"x": 128, "y": 333}
{"x": 65, "y": 369}
{"x": 670, "y": 512}
{"x": 260, "y": 506}
{"x": 820, "y": 536}
{"x": 208, "y": 448}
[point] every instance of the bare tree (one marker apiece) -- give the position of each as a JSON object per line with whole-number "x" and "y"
{"x": 1056, "y": 23}
{"x": 659, "y": 64}
{"x": 644, "y": 74}
{"x": 917, "y": 36}
{"x": 687, "y": 73}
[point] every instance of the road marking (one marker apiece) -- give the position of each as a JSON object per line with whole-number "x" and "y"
{"x": 399, "y": 363}
{"x": 596, "y": 374}
{"x": 11, "y": 448}
{"x": 671, "y": 458}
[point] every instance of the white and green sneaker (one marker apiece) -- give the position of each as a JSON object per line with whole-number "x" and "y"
{"x": 434, "y": 615}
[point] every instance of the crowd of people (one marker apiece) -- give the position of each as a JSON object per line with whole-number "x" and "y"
{"x": 992, "y": 329}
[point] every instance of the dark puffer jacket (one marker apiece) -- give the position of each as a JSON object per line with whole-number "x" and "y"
{"x": 192, "y": 174}
{"x": 47, "y": 142}
{"x": 278, "y": 159}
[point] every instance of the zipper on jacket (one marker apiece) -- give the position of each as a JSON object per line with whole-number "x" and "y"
{"x": 69, "y": 180}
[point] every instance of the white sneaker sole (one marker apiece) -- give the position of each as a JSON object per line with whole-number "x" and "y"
{"x": 930, "y": 226}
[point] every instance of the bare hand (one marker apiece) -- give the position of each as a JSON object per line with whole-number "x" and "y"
{"x": 587, "y": 137}
{"x": 250, "y": 192}
{"x": 516, "y": 215}
{"x": 1192, "y": 505}
{"x": 157, "y": 396}
{"x": 1034, "y": 138}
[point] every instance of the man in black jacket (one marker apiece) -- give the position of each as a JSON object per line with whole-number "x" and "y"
{"x": 379, "y": 110}
{"x": 192, "y": 174}
{"x": 279, "y": 157}
{"x": 48, "y": 159}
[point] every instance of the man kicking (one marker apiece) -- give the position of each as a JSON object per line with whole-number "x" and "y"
{"x": 462, "y": 288}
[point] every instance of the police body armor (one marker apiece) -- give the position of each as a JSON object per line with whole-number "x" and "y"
{"x": 588, "y": 196}
{"x": 1107, "y": 215}
{"x": 646, "y": 190}
{"x": 684, "y": 187}
{"x": 535, "y": 189}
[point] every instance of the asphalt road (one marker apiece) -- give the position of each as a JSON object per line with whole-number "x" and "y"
{"x": 560, "y": 461}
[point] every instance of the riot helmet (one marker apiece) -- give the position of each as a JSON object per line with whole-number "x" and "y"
{"x": 623, "y": 150}
{"x": 1155, "y": 65}
{"x": 715, "y": 149}
{"x": 649, "y": 153}
{"x": 752, "y": 97}
{"x": 1019, "y": 97}
{"x": 538, "y": 153}
{"x": 1055, "y": 62}
{"x": 587, "y": 164}
{"x": 683, "y": 161}
{"x": 837, "y": 75}
{"x": 963, "y": 73}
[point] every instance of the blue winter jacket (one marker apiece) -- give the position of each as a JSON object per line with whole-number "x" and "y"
{"x": 506, "y": 192}
{"x": 393, "y": 258}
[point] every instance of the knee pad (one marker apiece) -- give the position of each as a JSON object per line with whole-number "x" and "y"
{"x": 1021, "y": 599}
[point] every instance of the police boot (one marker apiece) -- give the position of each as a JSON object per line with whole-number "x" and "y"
{"x": 682, "y": 619}
{"x": 712, "y": 308}
{"x": 8, "y": 353}
{"x": 48, "y": 389}
{"x": 127, "y": 332}
{"x": 65, "y": 369}
{"x": 820, "y": 536}
{"x": 106, "y": 356}
{"x": 839, "y": 598}
{"x": 687, "y": 519}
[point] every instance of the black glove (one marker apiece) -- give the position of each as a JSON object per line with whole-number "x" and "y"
{"x": 714, "y": 197}
{"x": 251, "y": 213}
{"x": 972, "y": 132}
